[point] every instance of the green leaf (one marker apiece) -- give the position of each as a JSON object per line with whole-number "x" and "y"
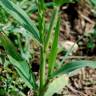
{"x": 18, "y": 62}
{"x": 20, "y": 15}
{"x": 53, "y": 53}
{"x": 61, "y": 2}
{"x": 51, "y": 26}
{"x": 74, "y": 65}
{"x": 93, "y": 2}
{"x": 57, "y": 85}
{"x": 2, "y": 92}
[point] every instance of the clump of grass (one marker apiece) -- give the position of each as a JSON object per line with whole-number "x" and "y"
{"x": 48, "y": 84}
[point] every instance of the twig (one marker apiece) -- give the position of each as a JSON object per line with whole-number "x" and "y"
{"x": 78, "y": 93}
{"x": 86, "y": 18}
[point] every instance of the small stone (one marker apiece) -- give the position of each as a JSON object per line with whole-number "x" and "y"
{"x": 70, "y": 44}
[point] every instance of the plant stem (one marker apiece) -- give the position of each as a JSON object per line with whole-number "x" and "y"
{"x": 42, "y": 48}
{"x": 42, "y": 64}
{"x": 42, "y": 71}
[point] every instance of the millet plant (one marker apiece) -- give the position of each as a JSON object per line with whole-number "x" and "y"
{"x": 50, "y": 81}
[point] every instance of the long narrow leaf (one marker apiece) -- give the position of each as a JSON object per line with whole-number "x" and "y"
{"x": 53, "y": 53}
{"x": 72, "y": 66}
{"x": 51, "y": 26}
{"x": 18, "y": 14}
{"x": 20, "y": 65}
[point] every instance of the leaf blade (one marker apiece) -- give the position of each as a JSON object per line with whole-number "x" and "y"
{"x": 53, "y": 53}
{"x": 18, "y": 62}
{"x": 57, "y": 85}
{"x": 17, "y": 13}
{"x": 72, "y": 66}
{"x": 51, "y": 26}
